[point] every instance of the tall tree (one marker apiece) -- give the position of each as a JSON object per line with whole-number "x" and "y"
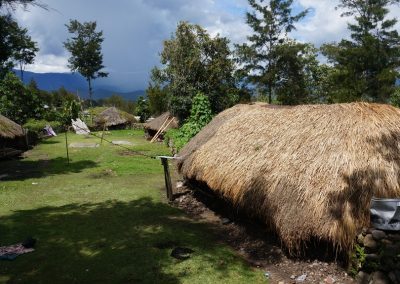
{"x": 12, "y": 4}
{"x": 25, "y": 50}
{"x": 85, "y": 48}
{"x": 196, "y": 62}
{"x": 16, "y": 46}
{"x": 367, "y": 64}
{"x": 271, "y": 21}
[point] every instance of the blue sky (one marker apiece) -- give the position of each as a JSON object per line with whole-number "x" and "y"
{"x": 135, "y": 29}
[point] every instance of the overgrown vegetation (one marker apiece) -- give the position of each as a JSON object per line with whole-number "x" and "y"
{"x": 200, "y": 116}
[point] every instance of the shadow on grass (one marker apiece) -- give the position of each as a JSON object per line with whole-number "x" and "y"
{"x": 49, "y": 142}
{"x": 111, "y": 242}
{"x": 25, "y": 169}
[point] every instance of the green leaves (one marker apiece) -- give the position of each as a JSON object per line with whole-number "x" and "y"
{"x": 366, "y": 66}
{"x": 200, "y": 116}
{"x": 259, "y": 59}
{"x": 85, "y": 48}
{"x": 195, "y": 62}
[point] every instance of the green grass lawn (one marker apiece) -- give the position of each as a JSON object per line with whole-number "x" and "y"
{"x": 104, "y": 219}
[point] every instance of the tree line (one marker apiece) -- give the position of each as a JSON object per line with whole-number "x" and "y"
{"x": 277, "y": 68}
{"x": 271, "y": 66}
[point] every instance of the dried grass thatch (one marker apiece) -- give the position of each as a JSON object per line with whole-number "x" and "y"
{"x": 9, "y": 129}
{"x": 113, "y": 117}
{"x": 308, "y": 172}
{"x": 157, "y": 122}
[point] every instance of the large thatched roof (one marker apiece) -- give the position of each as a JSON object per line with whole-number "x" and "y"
{"x": 112, "y": 116}
{"x": 9, "y": 129}
{"x": 308, "y": 172}
{"x": 157, "y": 122}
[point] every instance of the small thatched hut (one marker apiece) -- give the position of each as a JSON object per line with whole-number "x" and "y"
{"x": 309, "y": 172}
{"x": 11, "y": 137}
{"x": 114, "y": 118}
{"x": 165, "y": 121}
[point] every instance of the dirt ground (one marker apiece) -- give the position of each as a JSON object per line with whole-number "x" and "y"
{"x": 260, "y": 248}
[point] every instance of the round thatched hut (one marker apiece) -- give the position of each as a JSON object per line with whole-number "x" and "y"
{"x": 308, "y": 172}
{"x": 161, "y": 123}
{"x": 112, "y": 118}
{"x": 9, "y": 129}
{"x": 11, "y": 137}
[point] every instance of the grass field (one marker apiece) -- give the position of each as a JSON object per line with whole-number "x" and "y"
{"x": 104, "y": 219}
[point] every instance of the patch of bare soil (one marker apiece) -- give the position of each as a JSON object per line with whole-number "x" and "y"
{"x": 259, "y": 247}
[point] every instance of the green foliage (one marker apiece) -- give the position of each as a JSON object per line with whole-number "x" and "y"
{"x": 366, "y": 67}
{"x": 38, "y": 125}
{"x": 200, "y": 116}
{"x": 118, "y": 102}
{"x": 271, "y": 21}
{"x": 16, "y": 46}
{"x": 395, "y": 98}
{"x": 299, "y": 76}
{"x": 158, "y": 99}
{"x": 85, "y": 48}
{"x": 69, "y": 110}
{"x": 357, "y": 260}
{"x": 17, "y": 102}
{"x": 196, "y": 62}
{"x": 143, "y": 109}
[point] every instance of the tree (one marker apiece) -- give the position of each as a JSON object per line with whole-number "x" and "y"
{"x": 195, "y": 62}
{"x": 158, "y": 99}
{"x": 17, "y": 102}
{"x": 16, "y": 46}
{"x": 142, "y": 109}
{"x": 270, "y": 22}
{"x": 25, "y": 50}
{"x": 85, "y": 48}
{"x": 366, "y": 66}
{"x": 12, "y": 4}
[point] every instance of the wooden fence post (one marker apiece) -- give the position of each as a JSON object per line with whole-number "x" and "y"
{"x": 168, "y": 184}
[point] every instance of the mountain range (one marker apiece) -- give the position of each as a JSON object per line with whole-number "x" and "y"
{"x": 76, "y": 83}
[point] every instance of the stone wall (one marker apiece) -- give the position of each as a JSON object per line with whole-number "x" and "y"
{"x": 377, "y": 257}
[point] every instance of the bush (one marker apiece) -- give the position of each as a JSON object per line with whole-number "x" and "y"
{"x": 200, "y": 116}
{"x": 38, "y": 125}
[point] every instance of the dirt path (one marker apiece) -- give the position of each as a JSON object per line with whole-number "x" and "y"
{"x": 260, "y": 248}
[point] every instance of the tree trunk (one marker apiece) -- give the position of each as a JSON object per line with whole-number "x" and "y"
{"x": 90, "y": 91}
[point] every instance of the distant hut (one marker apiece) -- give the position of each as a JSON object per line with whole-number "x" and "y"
{"x": 307, "y": 172}
{"x": 161, "y": 124}
{"x": 11, "y": 137}
{"x": 112, "y": 118}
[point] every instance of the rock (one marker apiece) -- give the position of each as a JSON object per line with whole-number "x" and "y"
{"x": 292, "y": 277}
{"x": 379, "y": 277}
{"x": 372, "y": 257}
{"x": 378, "y": 235}
{"x": 281, "y": 282}
{"x": 363, "y": 277}
{"x": 301, "y": 278}
{"x": 394, "y": 237}
{"x": 360, "y": 239}
{"x": 179, "y": 184}
{"x": 370, "y": 243}
{"x": 392, "y": 276}
{"x": 387, "y": 242}
{"x": 329, "y": 280}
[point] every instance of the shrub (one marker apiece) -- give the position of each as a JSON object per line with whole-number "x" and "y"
{"x": 200, "y": 116}
{"x": 38, "y": 125}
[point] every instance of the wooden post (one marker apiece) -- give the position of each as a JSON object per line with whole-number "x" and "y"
{"x": 168, "y": 184}
{"x": 66, "y": 144}
{"x": 102, "y": 134}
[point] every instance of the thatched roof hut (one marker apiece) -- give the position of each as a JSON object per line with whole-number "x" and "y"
{"x": 112, "y": 117}
{"x": 9, "y": 129}
{"x": 155, "y": 125}
{"x": 309, "y": 172}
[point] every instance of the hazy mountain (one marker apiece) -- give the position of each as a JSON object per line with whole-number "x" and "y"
{"x": 77, "y": 84}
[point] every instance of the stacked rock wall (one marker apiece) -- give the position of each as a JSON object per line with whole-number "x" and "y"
{"x": 377, "y": 255}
